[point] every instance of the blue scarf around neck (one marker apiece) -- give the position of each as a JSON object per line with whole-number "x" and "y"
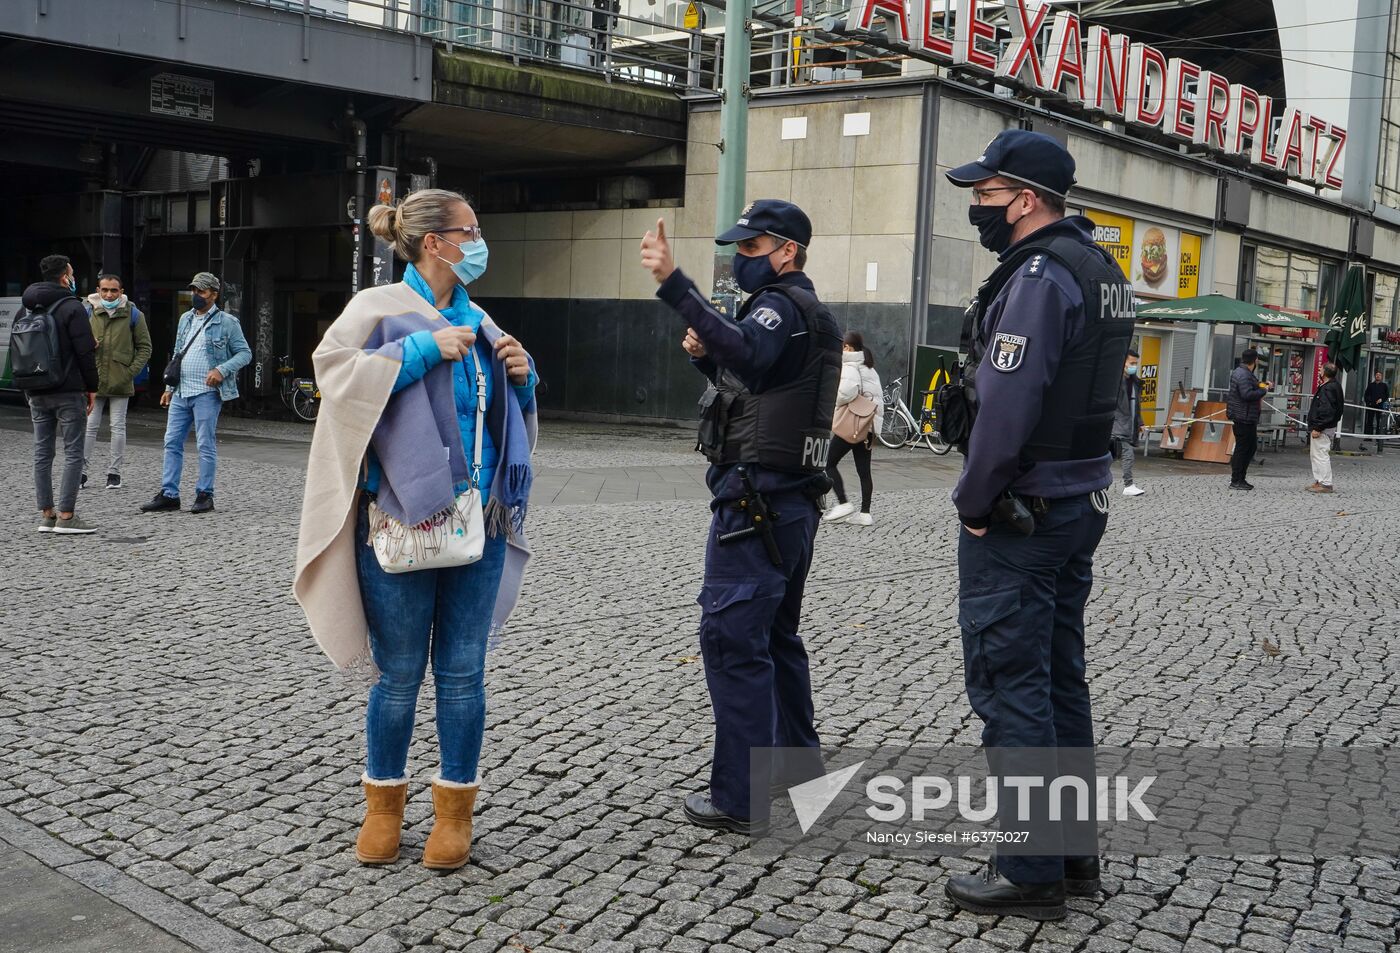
{"x": 510, "y": 489}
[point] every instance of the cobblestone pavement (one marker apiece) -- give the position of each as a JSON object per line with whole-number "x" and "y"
{"x": 166, "y": 713}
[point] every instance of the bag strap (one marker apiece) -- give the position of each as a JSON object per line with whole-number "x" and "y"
{"x": 190, "y": 343}
{"x": 480, "y": 419}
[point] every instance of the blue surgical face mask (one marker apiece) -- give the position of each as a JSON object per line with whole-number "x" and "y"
{"x": 1131, "y": 371}
{"x": 752, "y": 272}
{"x": 473, "y": 263}
{"x": 111, "y": 305}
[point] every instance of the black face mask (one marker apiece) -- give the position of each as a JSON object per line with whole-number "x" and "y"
{"x": 993, "y": 230}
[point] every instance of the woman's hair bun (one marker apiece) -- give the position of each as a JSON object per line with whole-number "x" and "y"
{"x": 383, "y": 222}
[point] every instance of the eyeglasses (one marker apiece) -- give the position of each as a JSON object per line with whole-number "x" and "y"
{"x": 983, "y": 193}
{"x": 473, "y": 232}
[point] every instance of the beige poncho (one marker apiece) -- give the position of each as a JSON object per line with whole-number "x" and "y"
{"x": 356, "y": 385}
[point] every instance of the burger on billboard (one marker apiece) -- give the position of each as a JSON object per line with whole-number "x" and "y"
{"x": 1160, "y": 261}
{"x": 1153, "y": 257}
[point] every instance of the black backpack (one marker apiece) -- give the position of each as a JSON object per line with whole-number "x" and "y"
{"x": 36, "y": 353}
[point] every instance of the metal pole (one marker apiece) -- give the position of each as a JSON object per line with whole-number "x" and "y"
{"x": 734, "y": 145}
{"x": 923, "y": 224}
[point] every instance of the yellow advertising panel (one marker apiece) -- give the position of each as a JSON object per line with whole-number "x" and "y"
{"x": 1115, "y": 234}
{"x": 1188, "y": 275}
{"x": 1160, "y": 261}
{"x": 1149, "y": 370}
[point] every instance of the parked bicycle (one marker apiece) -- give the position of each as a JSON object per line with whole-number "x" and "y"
{"x": 300, "y": 394}
{"x": 902, "y": 429}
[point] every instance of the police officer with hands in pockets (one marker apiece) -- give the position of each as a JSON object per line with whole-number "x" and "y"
{"x": 766, "y": 429}
{"x": 1046, "y": 339}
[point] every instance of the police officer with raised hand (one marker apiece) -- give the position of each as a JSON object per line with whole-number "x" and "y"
{"x": 766, "y": 429}
{"x": 1046, "y": 339}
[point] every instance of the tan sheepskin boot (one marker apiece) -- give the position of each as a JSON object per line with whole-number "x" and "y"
{"x": 378, "y": 842}
{"x": 450, "y": 843}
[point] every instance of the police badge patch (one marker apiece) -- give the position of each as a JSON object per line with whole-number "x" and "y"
{"x": 1007, "y": 351}
{"x": 767, "y": 317}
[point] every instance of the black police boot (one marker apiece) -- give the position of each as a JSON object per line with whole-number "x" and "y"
{"x": 161, "y": 502}
{"x": 1082, "y": 876}
{"x": 203, "y": 503}
{"x": 990, "y": 892}
{"x": 702, "y": 813}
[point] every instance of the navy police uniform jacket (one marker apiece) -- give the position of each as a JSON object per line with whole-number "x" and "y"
{"x": 1039, "y": 311}
{"x": 755, "y": 350}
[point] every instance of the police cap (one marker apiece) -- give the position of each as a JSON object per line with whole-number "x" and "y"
{"x": 770, "y": 217}
{"x": 1030, "y": 157}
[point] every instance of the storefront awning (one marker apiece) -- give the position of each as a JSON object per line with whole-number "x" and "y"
{"x": 1218, "y": 309}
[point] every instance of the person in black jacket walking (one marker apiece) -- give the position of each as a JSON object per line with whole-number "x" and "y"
{"x": 1377, "y": 393}
{"x": 1323, "y": 417}
{"x": 1242, "y": 407}
{"x": 62, "y": 409}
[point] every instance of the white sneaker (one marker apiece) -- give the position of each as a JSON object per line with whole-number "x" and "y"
{"x": 861, "y": 519}
{"x": 1133, "y": 490}
{"x": 839, "y": 512}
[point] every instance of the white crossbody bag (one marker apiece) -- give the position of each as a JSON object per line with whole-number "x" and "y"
{"x": 454, "y": 537}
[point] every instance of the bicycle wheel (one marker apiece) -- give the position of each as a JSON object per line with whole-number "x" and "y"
{"x": 897, "y": 429}
{"x": 936, "y": 443}
{"x": 305, "y": 405}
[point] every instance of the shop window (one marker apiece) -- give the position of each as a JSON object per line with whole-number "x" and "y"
{"x": 1383, "y": 300}
{"x": 1278, "y": 278}
{"x": 1303, "y": 276}
{"x": 1388, "y": 174}
{"x": 177, "y": 216}
{"x": 1270, "y": 276}
{"x": 201, "y": 213}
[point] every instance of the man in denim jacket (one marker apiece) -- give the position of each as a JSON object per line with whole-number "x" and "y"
{"x": 214, "y": 351}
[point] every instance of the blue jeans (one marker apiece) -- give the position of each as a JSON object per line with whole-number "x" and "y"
{"x": 202, "y": 412}
{"x": 444, "y": 614}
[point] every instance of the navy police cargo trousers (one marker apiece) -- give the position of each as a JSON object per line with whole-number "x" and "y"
{"x": 1021, "y": 610}
{"x": 755, "y": 663}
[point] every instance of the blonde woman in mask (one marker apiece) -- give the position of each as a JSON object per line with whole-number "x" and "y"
{"x": 400, "y": 372}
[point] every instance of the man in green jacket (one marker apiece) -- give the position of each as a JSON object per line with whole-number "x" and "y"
{"x": 123, "y": 348}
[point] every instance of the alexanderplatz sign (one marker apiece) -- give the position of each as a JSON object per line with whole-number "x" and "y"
{"x": 1107, "y": 73}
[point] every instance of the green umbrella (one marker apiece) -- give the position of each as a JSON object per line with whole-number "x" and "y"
{"x": 1218, "y": 309}
{"x": 1347, "y": 332}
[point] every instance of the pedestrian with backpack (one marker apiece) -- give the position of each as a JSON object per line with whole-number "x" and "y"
{"x": 52, "y": 360}
{"x": 860, "y": 410}
{"x": 123, "y": 348}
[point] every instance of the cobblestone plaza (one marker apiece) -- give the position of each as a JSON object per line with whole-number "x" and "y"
{"x": 171, "y": 737}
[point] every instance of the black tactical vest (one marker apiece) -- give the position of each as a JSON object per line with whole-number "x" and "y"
{"x": 787, "y": 427}
{"x": 1076, "y": 417}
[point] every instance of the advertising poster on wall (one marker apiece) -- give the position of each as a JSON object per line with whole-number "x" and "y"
{"x": 1160, "y": 261}
{"x": 9, "y": 307}
{"x": 1155, "y": 260}
{"x": 1188, "y": 279}
{"x": 1114, "y": 234}
{"x": 1149, "y": 370}
{"x": 933, "y": 367}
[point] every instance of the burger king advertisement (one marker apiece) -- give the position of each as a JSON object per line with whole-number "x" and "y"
{"x": 1159, "y": 260}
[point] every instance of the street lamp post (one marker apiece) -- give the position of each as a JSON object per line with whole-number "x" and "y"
{"x": 734, "y": 145}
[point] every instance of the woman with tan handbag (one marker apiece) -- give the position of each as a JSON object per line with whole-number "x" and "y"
{"x": 412, "y": 544}
{"x": 859, "y": 412}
